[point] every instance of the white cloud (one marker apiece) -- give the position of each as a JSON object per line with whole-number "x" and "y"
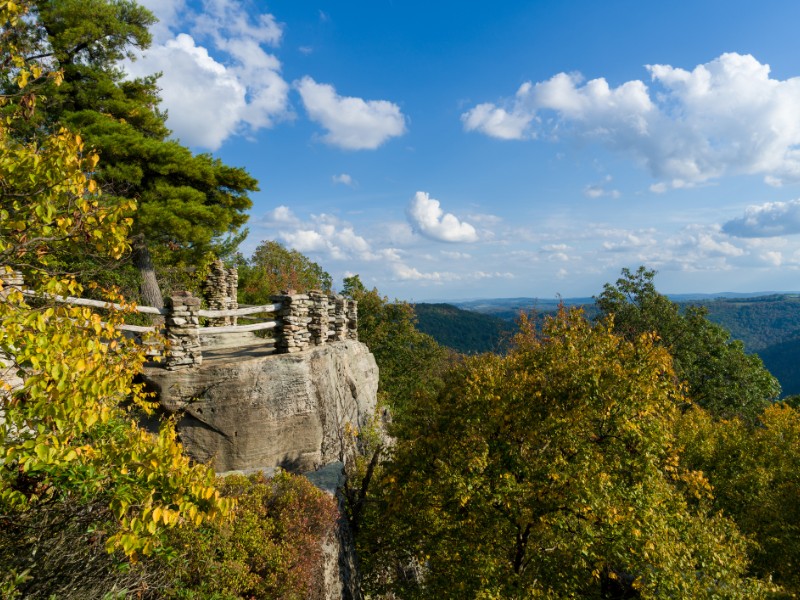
{"x": 210, "y": 98}
{"x": 405, "y": 273}
{"x": 305, "y": 240}
{"x": 281, "y": 215}
{"x": 628, "y": 241}
{"x": 351, "y": 123}
{"x": 766, "y": 220}
{"x": 496, "y": 122}
{"x": 427, "y": 217}
{"x": 325, "y": 235}
{"x": 597, "y": 190}
{"x": 773, "y": 258}
{"x": 727, "y": 116}
{"x": 168, "y": 13}
{"x": 600, "y": 189}
{"x": 708, "y": 242}
{"x": 227, "y": 20}
{"x": 456, "y": 255}
{"x": 343, "y": 178}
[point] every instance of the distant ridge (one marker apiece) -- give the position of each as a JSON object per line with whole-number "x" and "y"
{"x": 477, "y": 303}
{"x": 767, "y": 322}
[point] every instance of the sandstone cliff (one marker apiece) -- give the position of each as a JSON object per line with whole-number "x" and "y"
{"x": 246, "y": 409}
{"x": 250, "y": 410}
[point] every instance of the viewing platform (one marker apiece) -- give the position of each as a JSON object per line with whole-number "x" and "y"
{"x": 191, "y": 334}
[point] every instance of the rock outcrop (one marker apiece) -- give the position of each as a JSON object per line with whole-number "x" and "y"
{"x": 251, "y": 410}
{"x": 246, "y": 408}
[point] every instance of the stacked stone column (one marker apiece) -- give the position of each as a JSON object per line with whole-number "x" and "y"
{"x": 183, "y": 331}
{"x": 338, "y": 316}
{"x": 219, "y": 291}
{"x": 352, "y": 319}
{"x": 292, "y": 333}
{"x": 318, "y": 311}
{"x": 313, "y": 319}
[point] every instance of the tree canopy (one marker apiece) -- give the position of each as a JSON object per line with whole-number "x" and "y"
{"x": 408, "y": 359}
{"x": 273, "y": 268}
{"x": 719, "y": 374}
{"x": 188, "y": 204}
{"x": 551, "y": 473}
{"x": 753, "y": 471}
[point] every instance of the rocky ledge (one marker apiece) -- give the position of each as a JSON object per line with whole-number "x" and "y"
{"x": 247, "y": 409}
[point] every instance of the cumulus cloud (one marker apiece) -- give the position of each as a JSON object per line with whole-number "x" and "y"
{"x": 497, "y": 122}
{"x": 766, "y": 220}
{"x": 627, "y": 241}
{"x": 404, "y": 272}
{"x": 772, "y": 258}
{"x": 168, "y": 14}
{"x": 209, "y": 99}
{"x": 426, "y": 216}
{"x": 707, "y": 241}
{"x": 456, "y": 255}
{"x": 344, "y": 179}
{"x": 305, "y": 240}
{"x": 351, "y": 123}
{"x": 281, "y": 215}
{"x": 727, "y": 116}
{"x": 598, "y": 190}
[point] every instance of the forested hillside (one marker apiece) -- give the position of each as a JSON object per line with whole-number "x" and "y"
{"x": 462, "y": 330}
{"x": 767, "y": 325}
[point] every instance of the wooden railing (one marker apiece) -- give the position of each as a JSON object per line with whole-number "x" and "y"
{"x": 103, "y": 304}
{"x": 300, "y": 321}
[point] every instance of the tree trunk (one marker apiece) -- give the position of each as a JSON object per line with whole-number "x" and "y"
{"x": 150, "y": 290}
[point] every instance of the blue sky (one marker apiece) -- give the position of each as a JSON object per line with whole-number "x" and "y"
{"x": 447, "y": 150}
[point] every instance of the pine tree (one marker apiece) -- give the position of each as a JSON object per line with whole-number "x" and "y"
{"x": 189, "y": 204}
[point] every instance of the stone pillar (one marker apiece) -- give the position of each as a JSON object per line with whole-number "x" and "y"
{"x": 318, "y": 311}
{"x": 352, "y": 319}
{"x": 219, "y": 291}
{"x": 183, "y": 331}
{"x": 292, "y": 333}
{"x": 338, "y": 316}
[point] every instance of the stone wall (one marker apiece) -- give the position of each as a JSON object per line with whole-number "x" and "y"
{"x": 314, "y": 319}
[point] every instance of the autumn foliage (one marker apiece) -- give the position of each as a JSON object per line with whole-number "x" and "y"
{"x": 271, "y": 548}
{"x": 553, "y": 472}
{"x": 68, "y": 433}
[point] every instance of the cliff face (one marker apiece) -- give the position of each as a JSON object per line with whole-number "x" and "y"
{"x": 248, "y": 410}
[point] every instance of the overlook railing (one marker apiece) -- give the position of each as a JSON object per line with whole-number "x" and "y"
{"x": 298, "y": 321}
